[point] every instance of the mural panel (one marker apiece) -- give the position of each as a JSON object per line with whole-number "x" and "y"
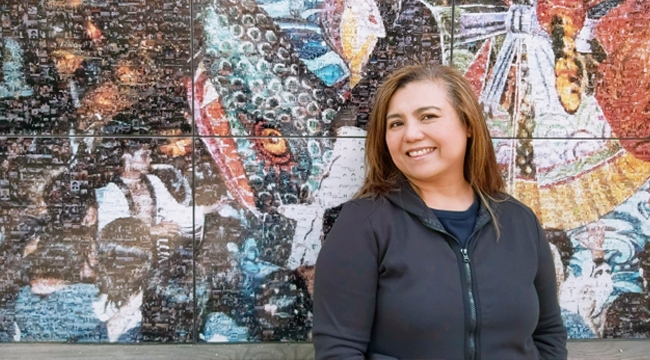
{"x": 97, "y": 240}
{"x": 170, "y": 169}
{"x": 563, "y": 92}
{"x": 94, "y": 67}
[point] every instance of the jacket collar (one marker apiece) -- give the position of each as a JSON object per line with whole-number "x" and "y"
{"x": 406, "y": 198}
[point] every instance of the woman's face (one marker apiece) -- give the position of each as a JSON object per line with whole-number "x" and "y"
{"x": 425, "y": 136}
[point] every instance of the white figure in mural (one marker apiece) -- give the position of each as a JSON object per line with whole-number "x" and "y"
{"x": 150, "y": 201}
{"x": 138, "y": 194}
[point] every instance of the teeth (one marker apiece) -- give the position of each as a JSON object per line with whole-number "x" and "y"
{"x": 420, "y": 152}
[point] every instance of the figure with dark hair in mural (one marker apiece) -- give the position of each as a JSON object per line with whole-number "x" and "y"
{"x": 107, "y": 252}
{"x": 147, "y": 232}
{"x": 140, "y": 225}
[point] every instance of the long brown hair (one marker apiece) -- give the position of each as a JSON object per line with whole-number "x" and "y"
{"x": 480, "y": 167}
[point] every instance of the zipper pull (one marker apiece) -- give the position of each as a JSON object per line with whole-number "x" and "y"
{"x": 465, "y": 255}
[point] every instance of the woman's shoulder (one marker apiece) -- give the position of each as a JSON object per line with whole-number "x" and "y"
{"x": 361, "y": 224}
{"x": 511, "y": 205}
{"x": 365, "y": 207}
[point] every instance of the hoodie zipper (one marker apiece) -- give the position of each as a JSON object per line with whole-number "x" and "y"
{"x": 470, "y": 351}
{"x": 471, "y": 345}
{"x": 472, "y": 332}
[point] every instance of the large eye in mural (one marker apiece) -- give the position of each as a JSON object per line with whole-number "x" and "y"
{"x": 271, "y": 145}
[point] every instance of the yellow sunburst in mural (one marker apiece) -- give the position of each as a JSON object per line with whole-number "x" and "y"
{"x": 586, "y": 196}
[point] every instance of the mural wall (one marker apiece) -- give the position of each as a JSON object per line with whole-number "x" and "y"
{"x": 168, "y": 169}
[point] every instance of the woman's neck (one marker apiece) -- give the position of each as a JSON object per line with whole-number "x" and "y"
{"x": 456, "y": 196}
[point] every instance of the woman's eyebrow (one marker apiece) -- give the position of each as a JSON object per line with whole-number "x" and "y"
{"x": 417, "y": 111}
{"x": 393, "y": 115}
{"x": 425, "y": 108}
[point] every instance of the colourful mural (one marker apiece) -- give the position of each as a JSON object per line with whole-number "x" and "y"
{"x": 169, "y": 169}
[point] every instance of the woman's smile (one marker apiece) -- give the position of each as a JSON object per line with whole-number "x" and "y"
{"x": 418, "y": 153}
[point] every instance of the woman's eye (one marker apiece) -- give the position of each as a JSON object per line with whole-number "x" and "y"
{"x": 395, "y": 124}
{"x": 428, "y": 117}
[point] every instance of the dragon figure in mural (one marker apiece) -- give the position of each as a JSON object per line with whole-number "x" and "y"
{"x": 269, "y": 93}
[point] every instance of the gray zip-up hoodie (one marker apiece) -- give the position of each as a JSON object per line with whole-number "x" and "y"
{"x": 392, "y": 283}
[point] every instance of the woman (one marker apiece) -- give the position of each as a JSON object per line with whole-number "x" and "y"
{"x": 432, "y": 259}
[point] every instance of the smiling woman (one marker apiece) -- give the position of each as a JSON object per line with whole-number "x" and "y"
{"x": 433, "y": 259}
{"x": 427, "y": 142}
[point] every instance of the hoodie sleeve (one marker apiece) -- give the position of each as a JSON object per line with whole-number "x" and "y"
{"x": 345, "y": 288}
{"x": 550, "y": 335}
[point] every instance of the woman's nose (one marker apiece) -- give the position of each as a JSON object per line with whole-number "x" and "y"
{"x": 413, "y": 131}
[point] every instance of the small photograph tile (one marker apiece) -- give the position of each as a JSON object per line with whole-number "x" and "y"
{"x": 63, "y": 62}
{"x": 322, "y": 61}
{"x": 256, "y": 259}
{"x": 97, "y": 240}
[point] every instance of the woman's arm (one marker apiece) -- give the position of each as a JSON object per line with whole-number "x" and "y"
{"x": 345, "y": 288}
{"x": 550, "y": 334}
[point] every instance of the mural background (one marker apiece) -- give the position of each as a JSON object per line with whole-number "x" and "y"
{"x": 169, "y": 169}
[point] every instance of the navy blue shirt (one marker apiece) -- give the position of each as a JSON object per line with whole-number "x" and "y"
{"x": 459, "y": 223}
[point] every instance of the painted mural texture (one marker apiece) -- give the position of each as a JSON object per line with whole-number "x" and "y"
{"x": 169, "y": 169}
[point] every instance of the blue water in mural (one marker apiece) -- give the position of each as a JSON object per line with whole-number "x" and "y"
{"x": 628, "y": 231}
{"x": 64, "y": 315}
